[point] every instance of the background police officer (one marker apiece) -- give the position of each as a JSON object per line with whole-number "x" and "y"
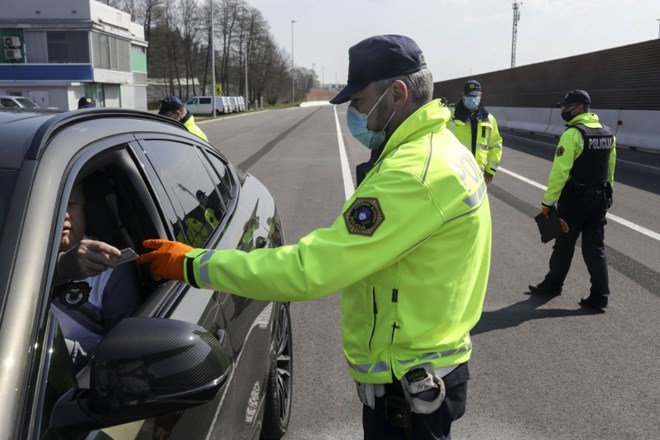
{"x": 86, "y": 102}
{"x": 421, "y": 206}
{"x": 580, "y": 183}
{"x": 477, "y": 129}
{"x": 173, "y": 108}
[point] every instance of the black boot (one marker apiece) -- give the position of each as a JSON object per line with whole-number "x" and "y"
{"x": 543, "y": 289}
{"x": 593, "y": 303}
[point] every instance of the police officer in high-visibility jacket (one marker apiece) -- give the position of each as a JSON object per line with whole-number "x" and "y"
{"x": 476, "y": 128}
{"x": 580, "y": 184}
{"x": 173, "y": 108}
{"x": 411, "y": 251}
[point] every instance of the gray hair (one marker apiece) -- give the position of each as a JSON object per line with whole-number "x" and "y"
{"x": 420, "y": 85}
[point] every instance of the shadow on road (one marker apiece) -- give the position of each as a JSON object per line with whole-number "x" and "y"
{"x": 523, "y": 311}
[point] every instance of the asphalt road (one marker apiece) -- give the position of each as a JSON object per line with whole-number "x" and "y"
{"x": 541, "y": 369}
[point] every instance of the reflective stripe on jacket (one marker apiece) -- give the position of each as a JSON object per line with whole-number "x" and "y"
{"x": 414, "y": 278}
{"x": 488, "y": 148}
{"x": 569, "y": 148}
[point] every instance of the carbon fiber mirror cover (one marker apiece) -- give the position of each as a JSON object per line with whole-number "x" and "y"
{"x": 158, "y": 361}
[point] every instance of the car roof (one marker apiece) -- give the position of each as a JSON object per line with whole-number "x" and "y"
{"x": 26, "y": 132}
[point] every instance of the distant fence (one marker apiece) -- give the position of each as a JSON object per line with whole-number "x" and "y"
{"x": 624, "y": 84}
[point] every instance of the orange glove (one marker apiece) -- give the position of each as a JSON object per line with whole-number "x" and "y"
{"x": 166, "y": 260}
{"x": 546, "y": 212}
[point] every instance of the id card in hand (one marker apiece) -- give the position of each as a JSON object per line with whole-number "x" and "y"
{"x": 127, "y": 255}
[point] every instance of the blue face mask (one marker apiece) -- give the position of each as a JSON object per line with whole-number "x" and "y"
{"x": 471, "y": 102}
{"x": 357, "y": 124}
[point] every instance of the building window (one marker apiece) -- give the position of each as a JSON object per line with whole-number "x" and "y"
{"x": 111, "y": 53}
{"x": 67, "y": 46}
{"x": 36, "y": 48}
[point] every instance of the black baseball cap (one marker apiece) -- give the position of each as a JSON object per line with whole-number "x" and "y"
{"x": 379, "y": 57}
{"x": 170, "y": 104}
{"x": 575, "y": 97}
{"x": 86, "y": 102}
{"x": 471, "y": 88}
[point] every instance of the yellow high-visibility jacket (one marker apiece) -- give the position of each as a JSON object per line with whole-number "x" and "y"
{"x": 488, "y": 147}
{"x": 569, "y": 148}
{"x": 411, "y": 251}
{"x": 189, "y": 122}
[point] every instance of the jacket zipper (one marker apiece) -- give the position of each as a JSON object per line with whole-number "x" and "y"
{"x": 373, "y": 328}
{"x": 395, "y": 298}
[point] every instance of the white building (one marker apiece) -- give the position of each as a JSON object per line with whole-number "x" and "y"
{"x": 56, "y": 51}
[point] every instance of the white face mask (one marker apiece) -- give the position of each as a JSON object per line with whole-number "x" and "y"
{"x": 357, "y": 124}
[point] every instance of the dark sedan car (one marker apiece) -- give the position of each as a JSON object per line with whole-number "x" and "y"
{"x": 186, "y": 363}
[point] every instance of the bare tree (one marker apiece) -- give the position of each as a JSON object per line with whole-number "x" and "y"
{"x": 189, "y": 12}
{"x": 179, "y": 36}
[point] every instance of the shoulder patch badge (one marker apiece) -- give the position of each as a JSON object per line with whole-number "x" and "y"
{"x": 560, "y": 151}
{"x": 364, "y": 216}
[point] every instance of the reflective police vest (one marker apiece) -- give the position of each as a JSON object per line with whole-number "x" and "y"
{"x": 591, "y": 167}
{"x": 485, "y": 142}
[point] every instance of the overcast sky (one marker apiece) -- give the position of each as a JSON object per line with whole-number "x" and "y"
{"x": 458, "y": 37}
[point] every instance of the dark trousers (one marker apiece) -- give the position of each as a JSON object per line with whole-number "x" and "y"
{"x": 434, "y": 426}
{"x": 584, "y": 210}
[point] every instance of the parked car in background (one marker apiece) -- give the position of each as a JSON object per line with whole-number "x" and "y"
{"x": 225, "y": 103}
{"x": 233, "y": 104}
{"x": 189, "y": 363}
{"x": 17, "y": 102}
{"x": 201, "y": 105}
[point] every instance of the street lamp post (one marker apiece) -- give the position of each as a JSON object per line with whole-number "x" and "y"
{"x": 658, "y": 20}
{"x": 213, "y": 108}
{"x": 247, "y": 95}
{"x": 293, "y": 76}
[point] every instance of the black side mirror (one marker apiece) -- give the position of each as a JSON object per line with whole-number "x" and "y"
{"x": 146, "y": 367}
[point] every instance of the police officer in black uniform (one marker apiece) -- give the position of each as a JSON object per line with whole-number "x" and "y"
{"x": 580, "y": 184}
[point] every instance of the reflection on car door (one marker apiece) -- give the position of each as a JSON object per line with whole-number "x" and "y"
{"x": 191, "y": 185}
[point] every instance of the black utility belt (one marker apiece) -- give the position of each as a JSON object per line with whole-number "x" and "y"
{"x": 459, "y": 375}
{"x": 579, "y": 185}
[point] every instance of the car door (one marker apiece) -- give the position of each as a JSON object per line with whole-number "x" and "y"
{"x": 124, "y": 162}
{"x": 193, "y": 105}
{"x": 205, "y": 105}
{"x": 206, "y": 212}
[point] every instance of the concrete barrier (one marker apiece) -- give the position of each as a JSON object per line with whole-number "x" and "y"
{"x": 532, "y": 119}
{"x": 502, "y": 114}
{"x": 633, "y": 128}
{"x": 639, "y": 129}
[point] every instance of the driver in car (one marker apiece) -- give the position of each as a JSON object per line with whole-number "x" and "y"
{"x": 92, "y": 293}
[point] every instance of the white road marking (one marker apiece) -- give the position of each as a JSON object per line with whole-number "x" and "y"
{"x": 349, "y": 186}
{"x": 635, "y": 227}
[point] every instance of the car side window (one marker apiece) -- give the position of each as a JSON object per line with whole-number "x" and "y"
{"x": 223, "y": 178}
{"x": 204, "y": 100}
{"x": 7, "y": 102}
{"x": 189, "y": 187}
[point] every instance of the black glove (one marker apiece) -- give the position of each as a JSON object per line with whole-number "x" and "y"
{"x": 608, "y": 193}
